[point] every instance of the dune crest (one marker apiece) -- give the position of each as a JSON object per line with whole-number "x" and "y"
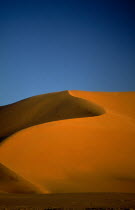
{"x": 44, "y": 108}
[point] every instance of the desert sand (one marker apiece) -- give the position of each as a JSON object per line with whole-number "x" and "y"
{"x": 71, "y": 141}
{"x": 68, "y": 201}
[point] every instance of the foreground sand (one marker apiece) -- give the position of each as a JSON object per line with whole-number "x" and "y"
{"x": 65, "y": 201}
{"x": 92, "y": 152}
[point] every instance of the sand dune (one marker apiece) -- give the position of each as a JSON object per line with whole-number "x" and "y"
{"x": 44, "y": 108}
{"x": 10, "y": 182}
{"x": 84, "y": 154}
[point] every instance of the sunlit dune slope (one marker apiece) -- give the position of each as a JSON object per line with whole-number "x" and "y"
{"x": 44, "y": 108}
{"x": 122, "y": 103}
{"x": 12, "y": 183}
{"x": 85, "y": 154}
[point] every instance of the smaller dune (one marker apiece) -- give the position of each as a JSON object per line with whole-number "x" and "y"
{"x": 10, "y": 182}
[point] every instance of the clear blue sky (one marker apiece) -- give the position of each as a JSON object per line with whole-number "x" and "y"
{"x": 54, "y": 45}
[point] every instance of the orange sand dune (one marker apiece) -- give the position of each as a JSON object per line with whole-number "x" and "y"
{"x": 85, "y": 154}
{"x": 12, "y": 183}
{"x": 44, "y": 108}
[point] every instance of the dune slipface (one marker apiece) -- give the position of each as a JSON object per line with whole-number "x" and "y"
{"x": 86, "y": 141}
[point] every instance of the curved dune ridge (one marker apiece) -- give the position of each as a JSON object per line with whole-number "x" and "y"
{"x": 44, "y": 108}
{"x": 10, "y": 182}
{"x": 81, "y": 153}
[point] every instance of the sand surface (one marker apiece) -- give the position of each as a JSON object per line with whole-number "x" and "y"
{"x": 72, "y": 141}
{"x": 71, "y": 201}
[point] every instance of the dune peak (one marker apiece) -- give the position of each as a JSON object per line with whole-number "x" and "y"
{"x": 42, "y": 109}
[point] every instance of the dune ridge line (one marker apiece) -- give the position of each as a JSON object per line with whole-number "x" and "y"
{"x": 42, "y": 109}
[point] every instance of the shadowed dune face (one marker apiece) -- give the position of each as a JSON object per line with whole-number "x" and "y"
{"x": 85, "y": 154}
{"x": 10, "y": 182}
{"x": 42, "y": 109}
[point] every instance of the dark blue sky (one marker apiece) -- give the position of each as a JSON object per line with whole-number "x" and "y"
{"x": 54, "y": 45}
